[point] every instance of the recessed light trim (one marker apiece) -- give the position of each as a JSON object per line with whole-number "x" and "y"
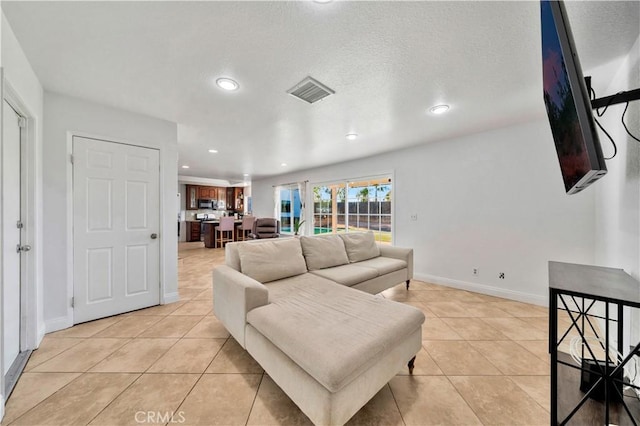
{"x": 213, "y": 151}
{"x": 352, "y": 136}
{"x": 439, "y": 109}
{"x": 185, "y": 167}
{"x": 283, "y": 164}
{"x": 227, "y": 84}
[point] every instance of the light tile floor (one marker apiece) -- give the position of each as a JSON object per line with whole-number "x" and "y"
{"x": 484, "y": 361}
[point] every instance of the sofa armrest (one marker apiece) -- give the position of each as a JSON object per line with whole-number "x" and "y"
{"x": 401, "y": 253}
{"x": 234, "y": 295}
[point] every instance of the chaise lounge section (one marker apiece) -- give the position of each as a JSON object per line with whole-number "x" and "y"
{"x": 311, "y": 322}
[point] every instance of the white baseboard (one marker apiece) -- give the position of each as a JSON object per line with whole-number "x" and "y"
{"x": 171, "y": 297}
{"x": 55, "y": 324}
{"x": 485, "y": 289}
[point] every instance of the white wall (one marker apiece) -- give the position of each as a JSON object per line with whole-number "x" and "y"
{"x": 492, "y": 200}
{"x": 63, "y": 117}
{"x": 27, "y": 90}
{"x": 618, "y": 193}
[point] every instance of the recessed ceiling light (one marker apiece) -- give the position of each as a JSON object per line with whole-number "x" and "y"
{"x": 245, "y": 174}
{"x": 322, "y": 1}
{"x": 352, "y": 136}
{"x": 185, "y": 167}
{"x": 227, "y": 84}
{"x": 213, "y": 151}
{"x": 284, "y": 164}
{"x": 439, "y": 109}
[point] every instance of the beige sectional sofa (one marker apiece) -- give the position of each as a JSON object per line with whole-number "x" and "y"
{"x": 306, "y": 310}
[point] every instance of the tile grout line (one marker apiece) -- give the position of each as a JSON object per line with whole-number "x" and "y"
{"x": 525, "y": 391}
{"x": 214, "y": 357}
{"x": 254, "y": 398}
{"x": 189, "y": 392}
{"x": 93, "y": 365}
{"x": 115, "y": 397}
{"x": 140, "y": 375}
{"x": 465, "y": 401}
{"x": 80, "y": 340}
{"x": 396, "y": 402}
{"x": 82, "y": 373}
{"x": 32, "y": 408}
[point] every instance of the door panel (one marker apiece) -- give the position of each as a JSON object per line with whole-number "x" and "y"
{"x": 99, "y": 267}
{"x": 136, "y": 271}
{"x": 99, "y": 205}
{"x": 116, "y": 210}
{"x": 136, "y": 207}
{"x": 11, "y": 215}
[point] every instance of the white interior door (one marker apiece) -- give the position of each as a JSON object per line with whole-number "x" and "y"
{"x": 11, "y": 234}
{"x": 116, "y": 217}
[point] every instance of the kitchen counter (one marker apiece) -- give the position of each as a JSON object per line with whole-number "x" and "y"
{"x": 210, "y": 232}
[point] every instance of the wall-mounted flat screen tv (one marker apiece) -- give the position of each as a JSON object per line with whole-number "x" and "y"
{"x": 567, "y": 101}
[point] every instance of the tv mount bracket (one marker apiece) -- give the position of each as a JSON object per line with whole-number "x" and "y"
{"x": 618, "y": 98}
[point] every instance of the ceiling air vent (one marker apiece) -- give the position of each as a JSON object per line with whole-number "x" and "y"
{"x": 310, "y": 90}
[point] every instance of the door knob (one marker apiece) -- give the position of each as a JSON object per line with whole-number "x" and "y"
{"x": 20, "y": 248}
{"x": 154, "y": 236}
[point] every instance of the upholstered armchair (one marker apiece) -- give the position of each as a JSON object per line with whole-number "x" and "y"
{"x": 265, "y": 227}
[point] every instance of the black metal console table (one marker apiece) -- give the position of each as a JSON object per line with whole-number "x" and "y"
{"x": 593, "y": 299}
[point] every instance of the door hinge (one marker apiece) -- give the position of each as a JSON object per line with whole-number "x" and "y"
{"x": 73, "y": 302}
{"x": 22, "y": 122}
{"x": 19, "y": 224}
{"x": 71, "y": 158}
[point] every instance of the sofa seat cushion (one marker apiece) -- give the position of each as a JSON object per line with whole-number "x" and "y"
{"x": 323, "y": 251}
{"x": 347, "y": 274}
{"x": 360, "y": 245}
{"x": 286, "y": 286}
{"x": 333, "y": 332}
{"x": 384, "y": 265}
{"x": 272, "y": 259}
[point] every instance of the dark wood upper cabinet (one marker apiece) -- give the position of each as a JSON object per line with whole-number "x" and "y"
{"x": 238, "y": 197}
{"x": 231, "y": 201}
{"x": 191, "y": 203}
{"x": 222, "y": 198}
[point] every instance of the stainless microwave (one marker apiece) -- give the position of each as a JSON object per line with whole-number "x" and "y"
{"x": 207, "y": 204}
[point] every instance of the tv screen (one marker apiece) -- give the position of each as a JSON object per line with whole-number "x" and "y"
{"x": 568, "y": 103}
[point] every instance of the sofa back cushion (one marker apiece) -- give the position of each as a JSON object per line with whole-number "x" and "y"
{"x": 324, "y": 251}
{"x": 360, "y": 246}
{"x": 231, "y": 256}
{"x": 271, "y": 260}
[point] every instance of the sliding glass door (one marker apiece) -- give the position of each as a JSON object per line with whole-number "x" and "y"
{"x": 329, "y": 208}
{"x": 359, "y": 205}
{"x": 290, "y": 209}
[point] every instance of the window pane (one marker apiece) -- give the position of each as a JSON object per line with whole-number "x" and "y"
{"x": 354, "y": 206}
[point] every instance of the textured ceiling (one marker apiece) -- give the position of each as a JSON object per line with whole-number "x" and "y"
{"x": 387, "y": 61}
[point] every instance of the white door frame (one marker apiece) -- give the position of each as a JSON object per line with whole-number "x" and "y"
{"x": 164, "y": 298}
{"x": 31, "y": 331}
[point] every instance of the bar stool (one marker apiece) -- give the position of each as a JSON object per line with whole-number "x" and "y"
{"x": 245, "y": 227}
{"x": 227, "y": 224}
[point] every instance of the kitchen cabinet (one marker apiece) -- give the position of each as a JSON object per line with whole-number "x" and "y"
{"x": 193, "y": 231}
{"x": 222, "y": 199}
{"x": 238, "y": 196}
{"x": 191, "y": 203}
{"x": 208, "y": 193}
{"x": 231, "y": 200}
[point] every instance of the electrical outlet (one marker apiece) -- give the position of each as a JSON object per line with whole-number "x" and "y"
{"x": 414, "y": 216}
{"x": 476, "y": 271}
{"x": 501, "y": 275}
